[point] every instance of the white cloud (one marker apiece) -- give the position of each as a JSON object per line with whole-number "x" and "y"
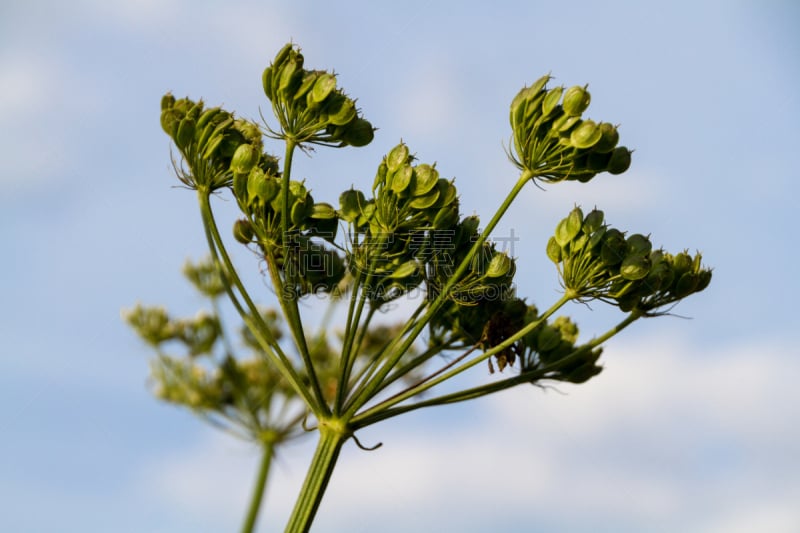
{"x": 667, "y": 434}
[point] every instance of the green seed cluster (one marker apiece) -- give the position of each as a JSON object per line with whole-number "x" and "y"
{"x": 212, "y": 141}
{"x": 409, "y": 222}
{"x": 550, "y": 344}
{"x": 308, "y": 265}
{"x": 597, "y": 261}
{"x": 553, "y": 142}
{"x": 309, "y": 105}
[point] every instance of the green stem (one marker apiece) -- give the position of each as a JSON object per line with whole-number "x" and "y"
{"x": 319, "y": 474}
{"x": 371, "y": 417}
{"x": 288, "y": 298}
{"x": 400, "y": 346}
{"x": 433, "y": 380}
{"x": 253, "y": 320}
{"x": 258, "y": 489}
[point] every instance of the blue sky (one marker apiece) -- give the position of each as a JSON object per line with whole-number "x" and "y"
{"x": 690, "y": 427}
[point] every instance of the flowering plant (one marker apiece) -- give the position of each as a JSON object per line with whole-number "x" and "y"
{"x": 369, "y": 248}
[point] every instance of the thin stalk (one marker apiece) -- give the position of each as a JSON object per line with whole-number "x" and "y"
{"x": 253, "y": 319}
{"x": 319, "y": 474}
{"x": 289, "y": 300}
{"x": 399, "y": 347}
{"x": 529, "y": 376}
{"x": 258, "y": 489}
{"x": 433, "y": 380}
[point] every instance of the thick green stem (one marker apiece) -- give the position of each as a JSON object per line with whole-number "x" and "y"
{"x": 401, "y": 346}
{"x": 330, "y": 443}
{"x": 258, "y": 489}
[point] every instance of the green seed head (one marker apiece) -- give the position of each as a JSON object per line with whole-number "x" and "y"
{"x": 243, "y": 231}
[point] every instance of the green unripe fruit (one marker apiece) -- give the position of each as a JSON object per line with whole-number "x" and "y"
{"x": 597, "y": 161}
{"x": 170, "y": 119}
{"x": 686, "y": 285}
{"x": 167, "y": 101}
{"x": 609, "y": 137}
{"x": 635, "y": 267}
{"x": 243, "y": 231}
{"x": 359, "y": 133}
{"x": 576, "y": 100}
{"x": 401, "y": 179}
{"x": 324, "y": 85}
{"x": 185, "y": 133}
{"x": 323, "y": 211}
{"x": 426, "y": 200}
{"x": 681, "y": 264}
{"x": 446, "y": 217}
{"x": 638, "y": 244}
{"x": 426, "y": 179}
{"x": 397, "y": 157}
{"x": 586, "y": 135}
{"x": 350, "y": 204}
{"x": 244, "y": 159}
{"x": 342, "y": 111}
{"x": 620, "y": 160}
{"x": 569, "y": 227}
{"x": 614, "y": 247}
{"x": 266, "y": 82}
{"x": 703, "y": 279}
{"x": 593, "y": 221}
{"x": 553, "y": 250}
{"x": 551, "y": 100}
{"x": 500, "y": 266}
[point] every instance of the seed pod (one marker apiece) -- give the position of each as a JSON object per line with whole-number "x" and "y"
{"x": 358, "y": 133}
{"x": 282, "y": 55}
{"x": 397, "y": 157}
{"x": 703, "y": 279}
{"x": 551, "y": 100}
{"x": 635, "y": 267}
{"x": 447, "y": 192}
{"x": 586, "y": 135}
{"x": 620, "y": 160}
{"x": 554, "y": 250}
{"x": 576, "y": 100}
{"x": 569, "y": 227}
{"x": 308, "y": 79}
{"x": 244, "y": 158}
{"x": 613, "y": 248}
{"x": 446, "y": 217}
{"x": 185, "y": 133}
{"x": 266, "y": 82}
{"x": 609, "y": 138}
{"x": 596, "y": 161}
{"x": 686, "y": 284}
{"x": 499, "y": 266}
{"x": 638, "y": 244}
{"x": 426, "y": 179}
{"x": 593, "y": 221}
{"x": 322, "y": 211}
{"x": 341, "y": 111}
{"x": 350, "y": 204}
{"x": 681, "y": 264}
{"x": 401, "y": 179}
{"x": 170, "y": 120}
{"x": 324, "y": 85}
{"x": 167, "y": 101}
{"x": 243, "y": 231}
{"x": 425, "y": 201}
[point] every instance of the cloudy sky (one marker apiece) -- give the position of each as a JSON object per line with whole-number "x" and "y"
{"x": 692, "y": 426}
